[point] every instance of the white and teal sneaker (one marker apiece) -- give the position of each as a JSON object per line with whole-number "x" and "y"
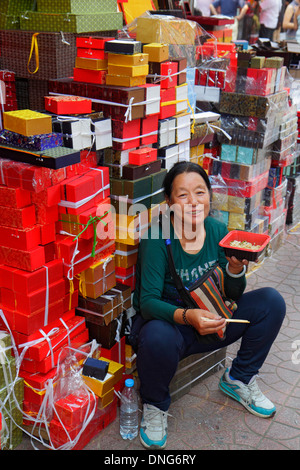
{"x": 154, "y": 427}
{"x": 250, "y": 396}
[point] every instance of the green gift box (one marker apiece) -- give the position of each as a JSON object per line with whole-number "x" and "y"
{"x": 69, "y": 23}
{"x": 11, "y": 10}
{"x": 131, "y": 189}
{"x": 76, "y": 7}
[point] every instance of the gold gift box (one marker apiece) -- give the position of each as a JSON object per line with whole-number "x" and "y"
{"x": 27, "y": 122}
{"x": 125, "y": 255}
{"x": 128, "y": 70}
{"x": 91, "y": 64}
{"x": 98, "y": 278}
{"x": 122, "y": 80}
{"x": 165, "y": 30}
{"x": 124, "y": 59}
{"x": 157, "y": 52}
{"x": 100, "y": 387}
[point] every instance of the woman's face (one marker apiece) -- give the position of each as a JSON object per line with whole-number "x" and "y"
{"x": 190, "y": 198}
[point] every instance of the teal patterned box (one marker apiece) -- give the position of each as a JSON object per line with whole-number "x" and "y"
{"x": 77, "y": 7}
{"x": 69, "y": 23}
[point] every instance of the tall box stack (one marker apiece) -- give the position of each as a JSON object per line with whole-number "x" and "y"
{"x": 253, "y": 106}
{"x": 11, "y": 396}
{"x": 54, "y": 226}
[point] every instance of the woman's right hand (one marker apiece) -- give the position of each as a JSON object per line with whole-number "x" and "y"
{"x": 204, "y": 322}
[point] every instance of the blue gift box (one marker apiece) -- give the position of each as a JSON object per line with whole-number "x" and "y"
{"x": 35, "y": 142}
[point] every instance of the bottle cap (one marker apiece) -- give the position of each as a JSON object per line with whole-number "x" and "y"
{"x": 129, "y": 383}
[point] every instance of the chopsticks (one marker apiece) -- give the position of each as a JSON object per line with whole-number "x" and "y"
{"x": 228, "y": 320}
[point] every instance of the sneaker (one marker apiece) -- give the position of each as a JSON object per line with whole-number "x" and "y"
{"x": 154, "y": 427}
{"x": 249, "y": 395}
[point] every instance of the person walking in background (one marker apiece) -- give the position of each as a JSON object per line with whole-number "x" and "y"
{"x": 297, "y": 23}
{"x": 269, "y": 14}
{"x": 288, "y": 23}
{"x": 202, "y": 7}
{"x": 236, "y": 9}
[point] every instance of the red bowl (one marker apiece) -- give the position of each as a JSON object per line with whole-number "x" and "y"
{"x": 243, "y": 253}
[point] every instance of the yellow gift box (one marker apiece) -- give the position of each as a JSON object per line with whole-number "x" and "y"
{"x": 157, "y": 52}
{"x": 128, "y": 70}
{"x": 165, "y": 30}
{"x": 129, "y": 229}
{"x": 114, "y": 368}
{"x": 27, "y": 122}
{"x": 122, "y": 80}
{"x": 100, "y": 387}
{"x": 124, "y": 59}
{"x": 106, "y": 399}
{"x": 91, "y": 64}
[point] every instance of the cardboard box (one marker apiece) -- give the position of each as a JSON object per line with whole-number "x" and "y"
{"x": 165, "y": 30}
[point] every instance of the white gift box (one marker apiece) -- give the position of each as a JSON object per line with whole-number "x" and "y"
{"x": 101, "y": 133}
{"x": 181, "y": 98}
{"x": 183, "y": 127}
{"x": 166, "y": 132}
{"x": 168, "y": 156}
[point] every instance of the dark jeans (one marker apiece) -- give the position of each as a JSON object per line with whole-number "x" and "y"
{"x": 161, "y": 345}
{"x": 265, "y": 32}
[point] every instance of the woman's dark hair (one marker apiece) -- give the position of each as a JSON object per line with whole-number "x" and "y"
{"x": 178, "y": 169}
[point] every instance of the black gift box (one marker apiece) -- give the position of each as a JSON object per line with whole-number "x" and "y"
{"x": 95, "y": 368}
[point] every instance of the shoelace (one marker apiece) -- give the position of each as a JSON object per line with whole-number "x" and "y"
{"x": 251, "y": 392}
{"x": 155, "y": 419}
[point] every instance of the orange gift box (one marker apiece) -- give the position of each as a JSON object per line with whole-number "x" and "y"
{"x": 68, "y": 104}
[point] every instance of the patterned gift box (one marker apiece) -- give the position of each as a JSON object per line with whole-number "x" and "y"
{"x": 37, "y": 142}
{"x": 70, "y": 23}
{"x": 57, "y": 54}
{"x": 10, "y": 12}
{"x": 76, "y": 6}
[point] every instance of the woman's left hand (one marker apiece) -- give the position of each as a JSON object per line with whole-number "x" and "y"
{"x": 235, "y": 266}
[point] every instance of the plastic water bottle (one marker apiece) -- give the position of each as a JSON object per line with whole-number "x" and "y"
{"x": 129, "y": 411}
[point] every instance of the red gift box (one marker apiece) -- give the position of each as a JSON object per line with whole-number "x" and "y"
{"x": 116, "y": 353}
{"x": 14, "y": 197}
{"x": 34, "y": 178}
{"x": 73, "y": 409}
{"x": 89, "y": 53}
{"x": 18, "y": 218}
{"x": 89, "y": 76}
{"x": 142, "y": 156}
{"x": 57, "y": 356}
{"x": 68, "y": 104}
{"x": 35, "y": 301}
{"x": 27, "y": 282}
{"x": 45, "y": 214}
{"x": 149, "y": 125}
{"x": 126, "y": 135}
{"x": 167, "y": 103}
{"x": 48, "y": 197}
{"x": 168, "y": 69}
{"x": 20, "y": 239}
{"x": 92, "y": 42}
{"x": 47, "y": 233}
{"x": 30, "y": 260}
{"x": 126, "y": 276}
{"x": 35, "y": 385}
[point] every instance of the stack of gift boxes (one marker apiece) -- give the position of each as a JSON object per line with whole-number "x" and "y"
{"x": 8, "y": 97}
{"x": 256, "y": 114}
{"x": 11, "y": 396}
{"x": 57, "y": 230}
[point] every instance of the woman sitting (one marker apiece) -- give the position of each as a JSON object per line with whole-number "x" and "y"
{"x": 166, "y": 332}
